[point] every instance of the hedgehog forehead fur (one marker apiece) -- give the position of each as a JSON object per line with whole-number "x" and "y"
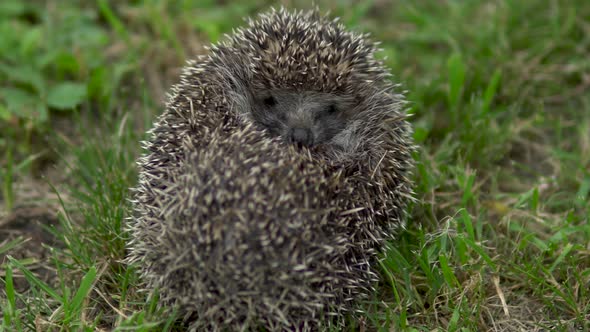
{"x": 305, "y": 51}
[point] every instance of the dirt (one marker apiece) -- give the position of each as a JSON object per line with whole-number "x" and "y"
{"x": 29, "y": 223}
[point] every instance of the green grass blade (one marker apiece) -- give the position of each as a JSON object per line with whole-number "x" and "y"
{"x": 448, "y": 274}
{"x": 34, "y": 280}
{"x": 113, "y": 20}
{"x": 11, "y": 245}
{"x": 9, "y": 314}
{"x": 75, "y": 306}
{"x": 456, "y": 72}
{"x": 564, "y": 252}
{"x": 7, "y": 181}
{"x": 490, "y": 91}
{"x": 477, "y": 248}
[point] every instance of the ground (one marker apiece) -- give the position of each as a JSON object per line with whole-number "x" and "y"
{"x": 499, "y": 93}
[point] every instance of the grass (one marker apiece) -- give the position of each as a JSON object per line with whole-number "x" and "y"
{"x": 500, "y": 97}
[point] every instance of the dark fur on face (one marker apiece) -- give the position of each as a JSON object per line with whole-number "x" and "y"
{"x": 303, "y": 118}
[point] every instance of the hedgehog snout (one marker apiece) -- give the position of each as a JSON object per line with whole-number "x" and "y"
{"x": 301, "y": 136}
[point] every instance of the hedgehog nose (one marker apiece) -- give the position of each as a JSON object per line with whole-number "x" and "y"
{"x": 301, "y": 136}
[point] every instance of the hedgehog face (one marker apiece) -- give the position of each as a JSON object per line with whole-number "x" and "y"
{"x": 301, "y": 118}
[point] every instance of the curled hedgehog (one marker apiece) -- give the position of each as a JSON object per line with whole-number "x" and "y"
{"x": 273, "y": 178}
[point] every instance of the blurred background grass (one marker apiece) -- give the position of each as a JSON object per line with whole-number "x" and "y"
{"x": 500, "y": 102}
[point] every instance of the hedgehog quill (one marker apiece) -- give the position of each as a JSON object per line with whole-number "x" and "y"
{"x": 273, "y": 178}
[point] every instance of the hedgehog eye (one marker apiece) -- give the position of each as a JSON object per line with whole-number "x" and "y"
{"x": 269, "y": 101}
{"x": 332, "y": 109}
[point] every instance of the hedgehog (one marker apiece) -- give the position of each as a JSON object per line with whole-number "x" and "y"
{"x": 274, "y": 177}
